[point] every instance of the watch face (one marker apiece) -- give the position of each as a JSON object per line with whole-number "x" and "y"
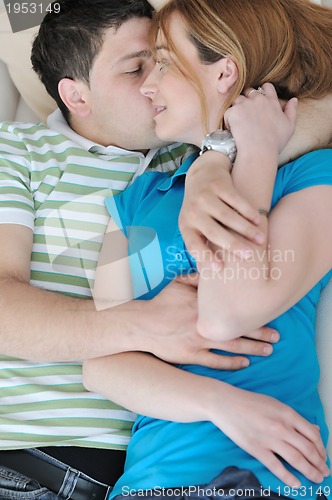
{"x": 221, "y": 141}
{"x": 220, "y": 135}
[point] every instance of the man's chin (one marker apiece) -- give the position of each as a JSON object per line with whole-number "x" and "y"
{"x": 160, "y": 143}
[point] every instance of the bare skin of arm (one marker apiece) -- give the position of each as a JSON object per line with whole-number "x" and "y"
{"x": 40, "y": 325}
{"x": 136, "y": 375}
{"x": 60, "y": 328}
{"x": 259, "y": 424}
{"x": 212, "y": 204}
{"x": 260, "y": 300}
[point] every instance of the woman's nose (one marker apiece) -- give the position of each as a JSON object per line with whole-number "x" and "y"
{"x": 149, "y": 87}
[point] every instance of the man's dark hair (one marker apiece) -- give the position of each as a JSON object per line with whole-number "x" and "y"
{"x": 71, "y": 36}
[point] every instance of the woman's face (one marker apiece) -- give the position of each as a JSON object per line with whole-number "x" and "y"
{"x": 176, "y": 103}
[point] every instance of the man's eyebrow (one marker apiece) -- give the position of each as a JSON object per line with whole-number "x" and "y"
{"x": 134, "y": 55}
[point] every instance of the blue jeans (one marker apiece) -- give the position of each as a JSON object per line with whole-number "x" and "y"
{"x": 231, "y": 484}
{"x": 15, "y": 486}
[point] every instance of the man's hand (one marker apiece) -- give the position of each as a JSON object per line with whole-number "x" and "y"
{"x": 170, "y": 333}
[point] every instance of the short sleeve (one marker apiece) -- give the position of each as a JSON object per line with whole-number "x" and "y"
{"x": 16, "y": 199}
{"x": 312, "y": 169}
{"x": 123, "y": 206}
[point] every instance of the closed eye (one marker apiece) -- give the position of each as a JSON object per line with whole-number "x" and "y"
{"x": 134, "y": 72}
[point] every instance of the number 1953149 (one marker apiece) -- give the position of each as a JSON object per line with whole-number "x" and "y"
{"x": 32, "y": 8}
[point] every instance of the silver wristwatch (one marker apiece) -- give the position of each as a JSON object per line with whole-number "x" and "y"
{"x": 221, "y": 141}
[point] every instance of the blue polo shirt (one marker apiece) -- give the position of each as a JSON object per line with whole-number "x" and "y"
{"x": 169, "y": 454}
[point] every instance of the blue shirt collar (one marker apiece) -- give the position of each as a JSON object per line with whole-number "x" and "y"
{"x": 181, "y": 171}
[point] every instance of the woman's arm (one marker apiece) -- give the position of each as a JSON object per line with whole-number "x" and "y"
{"x": 212, "y": 205}
{"x": 112, "y": 287}
{"x": 260, "y": 425}
{"x": 245, "y": 293}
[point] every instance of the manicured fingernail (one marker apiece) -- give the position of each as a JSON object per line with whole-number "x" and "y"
{"x": 245, "y": 363}
{"x": 268, "y": 350}
{"x": 275, "y": 337}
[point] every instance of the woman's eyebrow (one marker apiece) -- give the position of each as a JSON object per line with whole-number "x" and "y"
{"x": 161, "y": 47}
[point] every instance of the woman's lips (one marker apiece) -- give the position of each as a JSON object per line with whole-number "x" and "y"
{"x": 158, "y": 109}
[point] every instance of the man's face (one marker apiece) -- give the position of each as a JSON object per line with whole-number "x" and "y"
{"x": 120, "y": 114}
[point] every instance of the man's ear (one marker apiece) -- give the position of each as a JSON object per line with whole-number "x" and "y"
{"x": 227, "y": 75}
{"x": 75, "y": 96}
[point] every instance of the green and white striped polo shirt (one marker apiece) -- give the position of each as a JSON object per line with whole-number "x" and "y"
{"x": 55, "y": 186}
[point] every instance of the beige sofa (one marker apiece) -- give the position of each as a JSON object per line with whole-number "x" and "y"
{"x": 22, "y": 98}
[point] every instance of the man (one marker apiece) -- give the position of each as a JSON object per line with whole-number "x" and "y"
{"x": 92, "y": 57}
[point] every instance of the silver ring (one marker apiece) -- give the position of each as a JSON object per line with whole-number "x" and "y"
{"x": 259, "y": 89}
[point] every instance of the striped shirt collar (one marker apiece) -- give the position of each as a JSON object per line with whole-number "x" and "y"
{"x": 57, "y": 122}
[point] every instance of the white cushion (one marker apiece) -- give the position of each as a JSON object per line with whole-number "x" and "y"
{"x": 15, "y": 51}
{"x": 9, "y": 95}
{"x": 324, "y": 347}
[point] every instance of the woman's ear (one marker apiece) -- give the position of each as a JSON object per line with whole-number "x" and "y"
{"x": 75, "y": 96}
{"x": 227, "y": 76}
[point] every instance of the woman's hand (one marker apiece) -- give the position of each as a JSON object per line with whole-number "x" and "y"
{"x": 213, "y": 210}
{"x": 257, "y": 120}
{"x": 212, "y": 206}
{"x": 268, "y": 429}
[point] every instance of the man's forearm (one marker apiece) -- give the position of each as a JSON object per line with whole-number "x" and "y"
{"x": 313, "y": 128}
{"x": 40, "y": 325}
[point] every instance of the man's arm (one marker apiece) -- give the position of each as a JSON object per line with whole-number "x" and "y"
{"x": 37, "y": 324}
{"x": 41, "y": 325}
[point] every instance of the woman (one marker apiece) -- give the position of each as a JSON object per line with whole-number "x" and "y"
{"x": 208, "y": 52}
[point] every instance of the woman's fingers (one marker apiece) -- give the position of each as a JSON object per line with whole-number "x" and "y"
{"x": 301, "y": 460}
{"x": 274, "y": 464}
{"x": 219, "y": 236}
{"x": 273, "y": 432}
{"x": 312, "y": 433}
{"x": 299, "y": 443}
